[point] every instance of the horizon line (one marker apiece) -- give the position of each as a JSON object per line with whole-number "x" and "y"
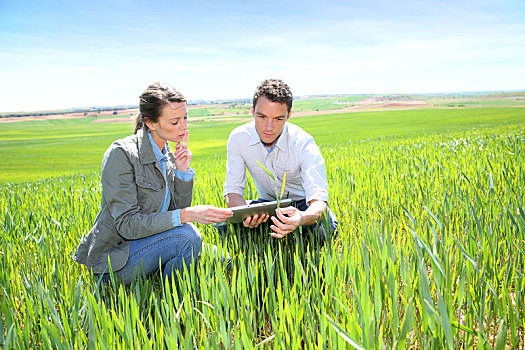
{"x": 249, "y": 99}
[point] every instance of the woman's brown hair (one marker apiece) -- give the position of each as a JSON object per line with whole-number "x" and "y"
{"x": 153, "y": 100}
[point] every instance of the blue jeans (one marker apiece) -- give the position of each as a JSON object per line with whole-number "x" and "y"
{"x": 170, "y": 249}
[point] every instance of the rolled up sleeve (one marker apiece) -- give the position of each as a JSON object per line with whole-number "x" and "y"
{"x": 175, "y": 217}
{"x": 183, "y": 191}
{"x": 185, "y": 175}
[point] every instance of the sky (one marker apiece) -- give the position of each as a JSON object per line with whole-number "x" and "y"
{"x": 65, "y": 54}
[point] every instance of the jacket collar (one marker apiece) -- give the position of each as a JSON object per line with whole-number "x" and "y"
{"x": 146, "y": 154}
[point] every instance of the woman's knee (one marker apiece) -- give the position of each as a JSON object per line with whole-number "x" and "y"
{"x": 194, "y": 236}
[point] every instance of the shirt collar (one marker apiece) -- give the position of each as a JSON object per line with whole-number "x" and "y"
{"x": 281, "y": 141}
{"x": 156, "y": 150}
{"x": 254, "y": 137}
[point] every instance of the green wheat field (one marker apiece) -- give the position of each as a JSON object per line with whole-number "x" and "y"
{"x": 430, "y": 252}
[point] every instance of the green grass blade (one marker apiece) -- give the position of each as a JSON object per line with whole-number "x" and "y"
{"x": 347, "y": 338}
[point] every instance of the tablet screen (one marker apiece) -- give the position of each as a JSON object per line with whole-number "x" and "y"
{"x": 242, "y": 212}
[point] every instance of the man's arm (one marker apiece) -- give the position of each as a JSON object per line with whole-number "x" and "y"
{"x": 236, "y": 180}
{"x": 314, "y": 181}
{"x": 315, "y": 211}
{"x": 234, "y": 200}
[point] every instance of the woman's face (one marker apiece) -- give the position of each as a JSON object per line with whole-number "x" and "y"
{"x": 172, "y": 124}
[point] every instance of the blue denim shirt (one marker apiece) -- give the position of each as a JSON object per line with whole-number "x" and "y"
{"x": 184, "y": 176}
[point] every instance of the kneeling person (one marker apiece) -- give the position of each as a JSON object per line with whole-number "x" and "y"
{"x": 282, "y": 148}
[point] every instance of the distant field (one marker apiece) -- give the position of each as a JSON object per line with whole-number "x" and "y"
{"x": 338, "y": 128}
{"x": 323, "y": 104}
{"x": 235, "y": 110}
{"x": 302, "y": 105}
{"x": 50, "y": 148}
{"x": 466, "y": 102}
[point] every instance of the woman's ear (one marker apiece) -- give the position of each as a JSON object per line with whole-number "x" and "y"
{"x": 149, "y": 124}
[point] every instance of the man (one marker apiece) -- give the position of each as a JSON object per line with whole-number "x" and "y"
{"x": 282, "y": 148}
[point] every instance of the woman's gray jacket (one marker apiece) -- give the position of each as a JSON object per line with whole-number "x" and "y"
{"x": 133, "y": 190}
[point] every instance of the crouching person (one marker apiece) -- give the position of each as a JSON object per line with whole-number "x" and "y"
{"x": 146, "y": 213}
{"x": 282, "y": 148}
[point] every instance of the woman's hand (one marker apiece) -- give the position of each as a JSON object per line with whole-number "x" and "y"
{"x": 183, "y": 154}
{"x": 204, "y": 214}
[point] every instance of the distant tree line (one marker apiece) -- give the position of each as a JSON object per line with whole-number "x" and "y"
{"x": 66, "y": 111}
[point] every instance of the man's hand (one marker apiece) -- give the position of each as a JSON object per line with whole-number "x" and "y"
{"x": 290, "y": 218}
{"x": 256, "y": 220}
{"x": 236, "y": 200}
{"x": 183, "y": 154}
{"x": 283, "y": 225}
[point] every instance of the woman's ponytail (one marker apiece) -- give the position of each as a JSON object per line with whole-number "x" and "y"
{"x": 139, "y": 122}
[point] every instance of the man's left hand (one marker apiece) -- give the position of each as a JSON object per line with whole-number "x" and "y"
{"x": 283, "y": 225}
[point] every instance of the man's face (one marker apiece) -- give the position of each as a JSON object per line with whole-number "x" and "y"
{"x": 270, "y": 119}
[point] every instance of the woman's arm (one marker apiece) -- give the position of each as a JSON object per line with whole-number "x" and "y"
{"x": 204, "y": 214}
{"x": 119, "y": 190}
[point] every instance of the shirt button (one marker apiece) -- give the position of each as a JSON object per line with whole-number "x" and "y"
{"x": 96, "y": 230}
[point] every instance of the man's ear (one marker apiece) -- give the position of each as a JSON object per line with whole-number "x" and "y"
{"x": 289, "y": 115}
{"x": 253, "y": 111}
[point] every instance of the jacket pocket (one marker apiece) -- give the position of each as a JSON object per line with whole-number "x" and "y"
{"x": 149, "y": 194}
{"x": 104, "y": 239}
{"x": 147, "y": 184}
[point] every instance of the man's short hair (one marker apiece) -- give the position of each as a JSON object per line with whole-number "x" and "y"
{"x": 276, "y": 91}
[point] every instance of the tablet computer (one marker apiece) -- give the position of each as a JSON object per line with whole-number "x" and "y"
{"x": 242, "y": 212}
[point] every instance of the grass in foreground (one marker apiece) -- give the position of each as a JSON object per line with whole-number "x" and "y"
{"x": 430, "y": 255}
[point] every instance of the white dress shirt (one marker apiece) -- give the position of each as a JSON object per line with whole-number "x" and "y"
{"x": 294, "y": 153}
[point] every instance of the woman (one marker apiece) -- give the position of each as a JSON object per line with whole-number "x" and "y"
{"x": 146, "y": 196}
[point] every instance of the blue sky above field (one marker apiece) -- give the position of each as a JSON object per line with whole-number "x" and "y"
{"x": 59, "y": 54}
